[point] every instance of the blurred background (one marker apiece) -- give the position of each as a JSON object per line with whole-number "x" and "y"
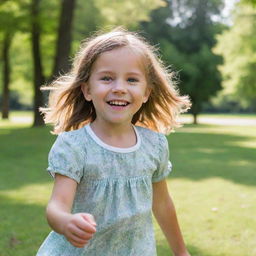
{"x": 210, "y": 44}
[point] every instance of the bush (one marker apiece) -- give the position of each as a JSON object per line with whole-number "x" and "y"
{"x": 15, "y": 103}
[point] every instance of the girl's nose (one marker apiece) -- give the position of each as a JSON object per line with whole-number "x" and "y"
{"x": 119, "y": 87}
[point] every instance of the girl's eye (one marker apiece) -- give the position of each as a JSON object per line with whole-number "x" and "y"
{"x": 132, "y": 80}
{"x": 106, "y": 78}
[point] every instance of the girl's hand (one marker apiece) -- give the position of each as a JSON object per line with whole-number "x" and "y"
{"x": 79, "y": 229}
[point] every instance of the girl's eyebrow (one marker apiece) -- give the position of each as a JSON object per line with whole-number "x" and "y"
{"x": 135, "y": 73}
{"x": 104, "y": 71}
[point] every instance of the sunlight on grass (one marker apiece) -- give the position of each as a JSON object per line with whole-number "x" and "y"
{"x": 17, "y": 119}
{"x": 245, "y": 144}
{"x": 37, "y": 194}
{"x": 225, "y": 129}
{"x": 243, "y": 163}
{"x": 21, "y": 119}
{"x": 221, "y": 119}
{"x": 218, "y": 211}
{"x": 207, "y": 150}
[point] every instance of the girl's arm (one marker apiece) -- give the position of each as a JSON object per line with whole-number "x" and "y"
{"x": 77, "y": 228}
{"x": 164, "y": 211}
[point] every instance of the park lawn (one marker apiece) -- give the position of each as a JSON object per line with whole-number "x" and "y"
{"x": 212, "y": 184}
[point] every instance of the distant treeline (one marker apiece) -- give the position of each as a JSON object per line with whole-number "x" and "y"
{"x": 213, "y": 57}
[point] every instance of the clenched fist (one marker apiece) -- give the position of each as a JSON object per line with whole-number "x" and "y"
{"x": 79, "y": 229}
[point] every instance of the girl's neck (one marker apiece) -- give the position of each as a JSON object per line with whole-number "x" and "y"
{"x": 119, "y": 135}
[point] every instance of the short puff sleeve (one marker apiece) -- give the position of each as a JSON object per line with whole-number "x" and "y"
{"x": 66, "y": 157}
{"x": 164, "y": 165}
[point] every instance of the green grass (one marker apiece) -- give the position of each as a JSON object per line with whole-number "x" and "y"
{"x": 212, "y": 184}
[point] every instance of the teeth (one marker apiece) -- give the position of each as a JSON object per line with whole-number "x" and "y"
{"x": 118, "y": 103}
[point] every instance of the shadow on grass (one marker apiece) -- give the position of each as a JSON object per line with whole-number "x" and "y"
{"x": 23, "y": 156}
{"x": 23, "y": 228}
{"x": 199, "y": 156}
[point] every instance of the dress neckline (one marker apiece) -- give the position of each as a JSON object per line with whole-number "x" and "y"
{"x": 112, "y": 148}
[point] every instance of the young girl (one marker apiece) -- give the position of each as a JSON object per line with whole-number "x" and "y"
{"x": 110, "y": 160}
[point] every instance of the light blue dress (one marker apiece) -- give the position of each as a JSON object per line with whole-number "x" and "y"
{"x": 115, "y": 186}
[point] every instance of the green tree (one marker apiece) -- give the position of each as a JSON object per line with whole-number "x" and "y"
{"x": 64, "y": 37}
{"x": 93, "y": 15}
{"x": 6, "y": 74}
{"x": 63, "y": 46}
{"x": 43, "y": 20}
{"x": 11, "y": 19}
{"x": 39, "y": 78}
{"x": 252, "y": 2}
{"x": 185, "y": 31}
{"x": 239, "y": 65}
{"x": 126, "y": 13}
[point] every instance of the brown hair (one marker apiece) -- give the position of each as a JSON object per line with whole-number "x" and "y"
{"x": 69, "y": 110}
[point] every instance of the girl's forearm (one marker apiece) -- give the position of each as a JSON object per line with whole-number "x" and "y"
{"x": 167, "y": 219}
{"x": 57, "y": 216}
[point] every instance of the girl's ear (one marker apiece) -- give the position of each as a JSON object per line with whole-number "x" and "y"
{"x": 147, "y": 94}
{"x": 86, "y": 91}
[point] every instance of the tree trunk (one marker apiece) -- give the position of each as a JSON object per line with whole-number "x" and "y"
{"x": 6, "y": 75}
{"x": 195, "y": 108}
{"x": 38, "y": 69}
{"x": 64, "y": 39}
{"x": 195, "y": 118}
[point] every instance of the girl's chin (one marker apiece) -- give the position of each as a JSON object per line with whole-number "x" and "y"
{"x": 118, "y": 121}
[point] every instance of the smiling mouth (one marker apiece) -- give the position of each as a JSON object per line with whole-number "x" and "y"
{"x": 118, "y": 103}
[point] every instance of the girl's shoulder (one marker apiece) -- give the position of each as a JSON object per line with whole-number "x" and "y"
{"x": 76, "y": 132}
{"x": 76, "y": 137}
{"x": 150, "y": 136}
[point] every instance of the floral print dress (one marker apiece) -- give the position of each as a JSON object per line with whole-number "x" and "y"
{"x": 115, "y": 186}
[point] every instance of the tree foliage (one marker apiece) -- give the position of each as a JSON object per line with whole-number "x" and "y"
{"x": 12, "y": 18}
{"x": 238, "y": 47}
{"x": 93, "y": 15}
{"x": 185, "y": 32}
{"x": 183, "y": 29}
{"x": 126, "y": 13}
{"x": 251, "y": 2}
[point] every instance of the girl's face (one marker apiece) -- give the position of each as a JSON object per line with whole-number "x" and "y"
{"x": 117, "y": 86}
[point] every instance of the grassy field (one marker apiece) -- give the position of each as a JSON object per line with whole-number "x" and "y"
{"x": 212, "y": 184}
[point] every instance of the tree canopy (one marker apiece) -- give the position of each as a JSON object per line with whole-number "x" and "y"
{"x": 40, "y": 21}
{"x": 238, "y": 47}
{"x": 186, "y": 33}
